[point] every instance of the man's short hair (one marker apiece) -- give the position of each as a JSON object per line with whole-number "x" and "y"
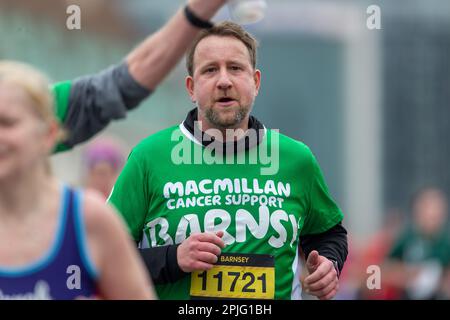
{"x": 224, "y": 29}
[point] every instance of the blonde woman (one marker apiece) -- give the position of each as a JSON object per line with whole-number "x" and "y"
{"x": 55, "y": 242}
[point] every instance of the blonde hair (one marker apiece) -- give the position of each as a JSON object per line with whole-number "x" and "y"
{"x": 36, "y": 86}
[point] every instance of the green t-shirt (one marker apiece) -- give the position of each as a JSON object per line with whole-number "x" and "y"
{"x": 414, "y": 248}
{"x": 163, "y": 198}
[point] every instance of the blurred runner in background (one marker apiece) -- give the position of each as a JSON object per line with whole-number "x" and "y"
{"x": 420, "y": 257}
{"x": 103, "y": 160}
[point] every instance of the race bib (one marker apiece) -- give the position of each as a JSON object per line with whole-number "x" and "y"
{"x": 236, "y": 276}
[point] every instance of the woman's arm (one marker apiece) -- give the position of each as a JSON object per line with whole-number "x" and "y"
{"x": 122, "y": 274}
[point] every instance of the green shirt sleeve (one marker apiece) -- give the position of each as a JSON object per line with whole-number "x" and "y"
{"x": 87, "y": 104}
{"x": 323, "y": 212}
{"x": 61, "y": 94}
{"x": 129, "y": 196}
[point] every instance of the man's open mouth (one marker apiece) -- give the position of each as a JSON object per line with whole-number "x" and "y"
{"x": 225, "y": 100}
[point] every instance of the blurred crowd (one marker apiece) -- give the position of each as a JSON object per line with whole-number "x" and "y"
{"x": 407, "y": 259}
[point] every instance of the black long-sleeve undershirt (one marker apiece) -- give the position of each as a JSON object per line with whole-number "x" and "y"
{"x": 331, "y": 244}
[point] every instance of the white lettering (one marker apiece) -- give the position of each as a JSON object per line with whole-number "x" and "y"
{"x": 191, "y": 221}
{"x": 270, "y": 188}
{"x": 162, "y": 233}
{"x": 220, "y": 220}
{"x": 173, "y": 188}
{"x": 244, "y": 220}
{"x": 41, "y": 292}
{"x": 223, "y": 185}
{"x": 275, "y": 221}
{"x": 191, "y": 187}
{"x": 202, "y": 187}
{"x": 210, "y": 226}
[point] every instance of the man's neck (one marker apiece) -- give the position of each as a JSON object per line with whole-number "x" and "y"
{"x": 254, "y": 132}
{"x": 227, "y": 134}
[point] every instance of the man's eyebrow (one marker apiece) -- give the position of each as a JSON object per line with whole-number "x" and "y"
{"x": 236, "y": 62}
{"x": 213, "y": 63}
{"x": 207, "y": 64}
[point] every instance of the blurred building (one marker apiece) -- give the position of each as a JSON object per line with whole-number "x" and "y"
{"x": 416, "y": 107}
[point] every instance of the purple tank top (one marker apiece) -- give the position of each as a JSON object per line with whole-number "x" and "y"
{"x": 65, "y": 271}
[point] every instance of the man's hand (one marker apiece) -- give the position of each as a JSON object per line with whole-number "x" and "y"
{"x": 322, "y": 281}
{"x": 199, "y": 251}
{"x": 205, "y": 9}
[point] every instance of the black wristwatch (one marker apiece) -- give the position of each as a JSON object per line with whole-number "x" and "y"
{"x": 336, "y": 267}
{"x": 195, "y": 20}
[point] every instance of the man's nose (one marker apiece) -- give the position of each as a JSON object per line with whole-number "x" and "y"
{"x": 224, "y": 81}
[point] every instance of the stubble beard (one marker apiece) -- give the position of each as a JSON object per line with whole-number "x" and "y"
{"x": 224, "y": 120}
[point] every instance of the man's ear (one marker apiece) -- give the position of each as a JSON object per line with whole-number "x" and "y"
{"x": 190, "y": 87}
{"x": 257, "y": 78}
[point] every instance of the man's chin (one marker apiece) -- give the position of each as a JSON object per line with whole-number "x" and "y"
{"x": 227, "y": 120}
{"x": 225, "y": 117}
{"x": 227, "y": 125}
